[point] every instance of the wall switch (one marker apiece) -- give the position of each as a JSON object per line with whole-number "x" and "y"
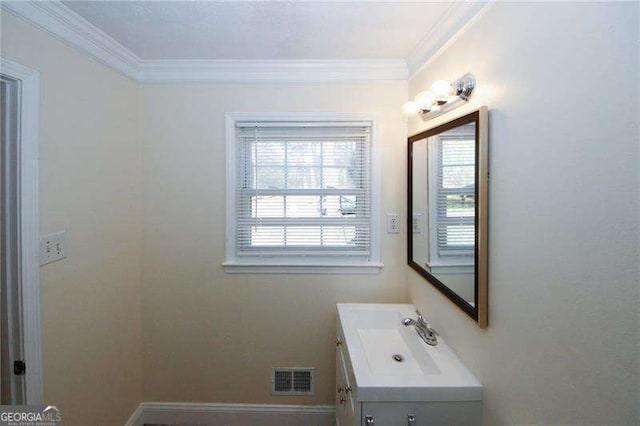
{"x": 393, "y": 223}
{"x": 53, "y": 247}
{"x": 416, "y": 224}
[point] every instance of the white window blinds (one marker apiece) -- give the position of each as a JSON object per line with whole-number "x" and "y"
{"x": 303, "y": 188}
{"x": 456, "y": 195}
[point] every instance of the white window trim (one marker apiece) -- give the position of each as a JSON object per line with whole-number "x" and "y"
{"x": 441, "y": 264}
{"x": 316, "y": 265}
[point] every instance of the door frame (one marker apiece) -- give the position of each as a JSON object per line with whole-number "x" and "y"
{"x": 29, "y": 110}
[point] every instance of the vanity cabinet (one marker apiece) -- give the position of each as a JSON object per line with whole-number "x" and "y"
{"x": 354, "y": 410}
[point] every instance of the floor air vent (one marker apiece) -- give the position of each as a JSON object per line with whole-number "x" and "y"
{"x": 292, "y": 381}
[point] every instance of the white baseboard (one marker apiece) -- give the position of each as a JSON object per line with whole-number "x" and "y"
{"x": 136, "y": 417}
{"x": 212, "y": 414}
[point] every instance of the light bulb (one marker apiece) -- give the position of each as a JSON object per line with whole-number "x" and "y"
{"x": 424, "y": 100}
{"x": 409, "y": 108}
{"x": 441, "y": 89}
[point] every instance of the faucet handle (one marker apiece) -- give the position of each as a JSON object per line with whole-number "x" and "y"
{"x": 421, "y": 319}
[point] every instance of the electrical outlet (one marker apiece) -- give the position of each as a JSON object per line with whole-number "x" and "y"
{"x": 393, "y": 223}
{"x": 416, "y": 224}
{"x": 53, "y": 247}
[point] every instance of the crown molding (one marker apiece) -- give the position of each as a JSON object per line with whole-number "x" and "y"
{"x": 271, "y": 71}
{"x": 65, "y": 24}
{"x": 62, "y": 22}
{"x": 458, "y": 17}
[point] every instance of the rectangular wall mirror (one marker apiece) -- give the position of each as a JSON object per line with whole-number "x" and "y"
{"x": 447, "y": 197}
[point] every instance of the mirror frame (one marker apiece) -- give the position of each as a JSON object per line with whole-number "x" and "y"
{"x": 479, "y": 312}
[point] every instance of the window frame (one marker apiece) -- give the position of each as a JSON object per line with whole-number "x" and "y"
{"x": 300, "y": 263}
{"x": 451, "y": 262}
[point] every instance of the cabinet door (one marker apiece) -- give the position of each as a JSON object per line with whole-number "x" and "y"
{"x": 348, "y": 407}
{"x": 349, "y": 414}
{"x": 346, "y": 403}
{"x": 340, "y": 383}
{"x": 468, "y": 413}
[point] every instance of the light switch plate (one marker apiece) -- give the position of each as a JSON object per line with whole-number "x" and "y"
{"x": 53, "y": 247}
{"x": 393, "y": 223}
{"x": 417, "y": 223}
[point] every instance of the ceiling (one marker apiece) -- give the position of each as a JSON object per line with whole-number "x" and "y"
{"x": 270, "y": 30}
{"x": 266, "y": 41}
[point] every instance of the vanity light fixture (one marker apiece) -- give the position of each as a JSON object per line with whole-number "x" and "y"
{"x": 442, "y": 97}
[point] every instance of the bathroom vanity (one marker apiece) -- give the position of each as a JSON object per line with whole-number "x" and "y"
{"x": 386, "y": 374}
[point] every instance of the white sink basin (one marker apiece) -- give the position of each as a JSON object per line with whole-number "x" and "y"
{"x": 374, "y": 334}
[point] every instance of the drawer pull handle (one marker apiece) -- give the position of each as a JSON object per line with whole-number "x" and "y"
{"x": 340, "y": 389}
{"x": 411, "y": 420}
{"x": 338, "y": 342}
{"x": 347, "y": 389}
{"x": 369, "y": 420}
{"x": 343, "y": 399}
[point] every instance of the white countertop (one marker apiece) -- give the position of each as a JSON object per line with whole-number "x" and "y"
{"x": 373, "y": 333}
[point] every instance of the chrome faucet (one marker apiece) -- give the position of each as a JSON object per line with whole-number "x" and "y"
{"x": 425, "y": 332}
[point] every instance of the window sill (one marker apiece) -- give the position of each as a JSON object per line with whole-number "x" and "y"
{"x": 234, "y": 267}
{"x": 450, "y": 268}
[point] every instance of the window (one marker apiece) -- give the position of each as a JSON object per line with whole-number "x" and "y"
{"x": 456, "y": 195}
{"x": 452, "y": 199}
{"x": 301, "y": 194}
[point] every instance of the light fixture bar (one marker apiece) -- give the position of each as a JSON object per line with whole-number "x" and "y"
{"x": 442, "y": 97}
